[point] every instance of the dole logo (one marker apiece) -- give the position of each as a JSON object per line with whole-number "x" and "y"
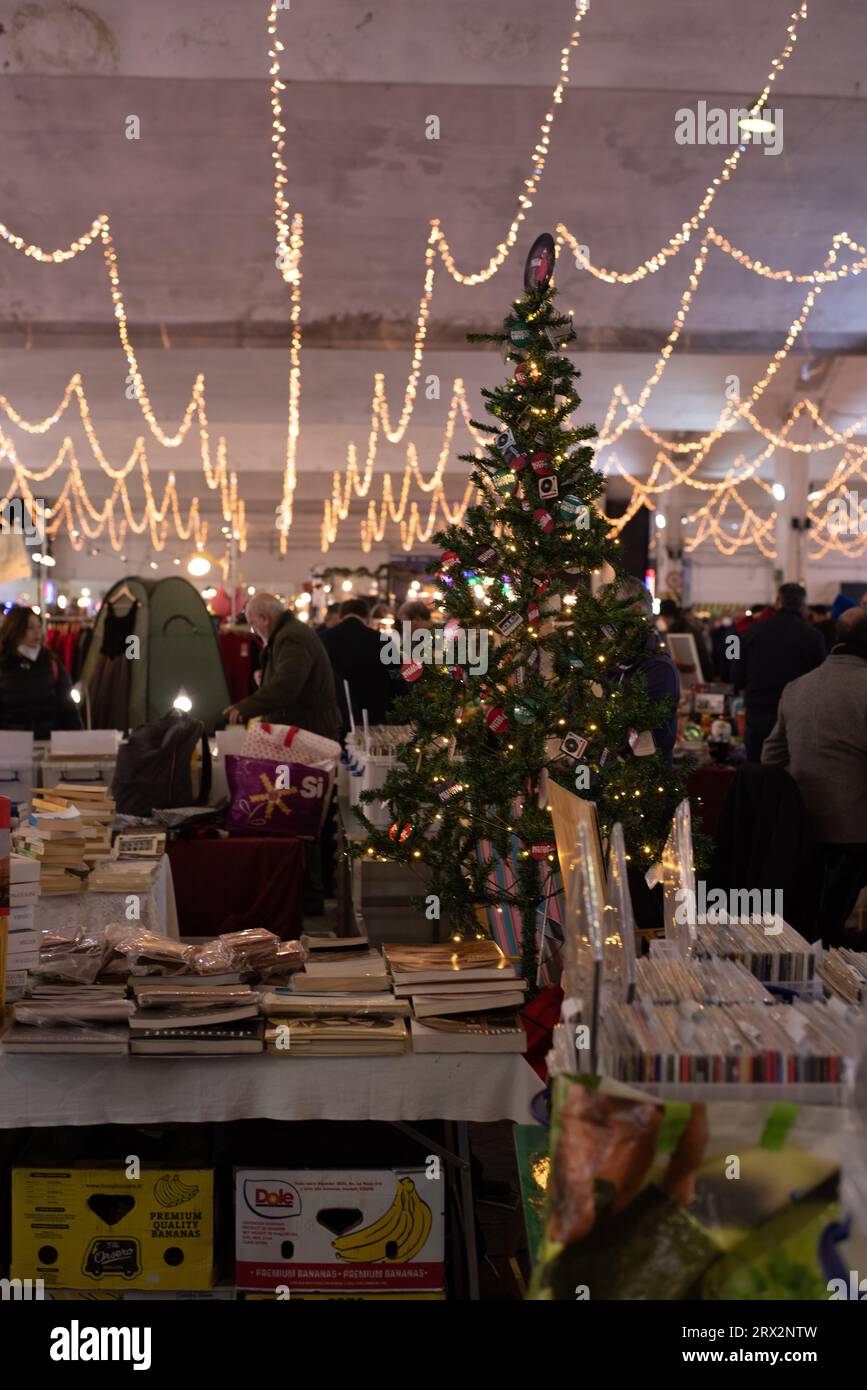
{"x": 271, "y": 1198}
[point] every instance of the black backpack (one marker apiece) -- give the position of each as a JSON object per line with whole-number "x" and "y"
{"x": 154, "y": 768}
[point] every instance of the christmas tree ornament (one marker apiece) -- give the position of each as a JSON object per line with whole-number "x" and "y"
{"x": 575, "y": 660}
{"x": 398, "y": 834}
{"x": 559, "y": 333}
{"x": 520, "y": 461}
{"x": 450, "y": 791}
{"x": 533, "y": 613}
{"x": 525, "y": 712}
{"x": 608, "y": 631}
{"x": 505, "y": 480}
{"x": 573, "y": 746}
{"x": 596, "y": 689}
{"x": 544, "y": 520}
{"x": 543, "y": 850}
{"x": 497, "y": 720}
{"x": 540, "y": 585}
{"x": 506, "y": 626}
{"x": 541, "y": 463}
{"x": 547, "y": 488}
{"x": 570, "y": 506}
{"x": 486, "y": 555}
{"x": 411, "y": 670}
{"x": 448, "y": 558}
{"x": 642, "y": 744}
{"x": 520, "y": 334}
{"x": 540, "y": 262}
{"x": 505, "y": 442}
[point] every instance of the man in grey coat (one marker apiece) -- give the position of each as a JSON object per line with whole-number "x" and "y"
{"x": 297, "y": 684}
{"x": 821, "y": 738}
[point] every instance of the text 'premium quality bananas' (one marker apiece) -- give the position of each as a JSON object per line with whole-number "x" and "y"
{"x": 327, "y": 1230}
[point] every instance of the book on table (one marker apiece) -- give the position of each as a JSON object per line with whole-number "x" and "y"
{"x": 337, "y": 1036}
{"x": 445, "y": 963}
{"x": 37, "y": 1042}
{"x": 472, "y": 1002}
{"x": 286, "y": 1001}
{"x": 216, "y": 1039}
{"x": 490, "y": 1032}
{"x": 177, "y": 1018}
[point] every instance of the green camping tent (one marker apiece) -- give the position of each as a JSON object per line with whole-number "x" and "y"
{"x": 177, "y": 649}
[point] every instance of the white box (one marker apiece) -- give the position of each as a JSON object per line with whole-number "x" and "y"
{"x": 23, "y": 894}
{"x": 27, "y": 960}
{"x": 84, "y": 742}
{"x": 16, "y": 984}
{"x": 22, "y": 918}
{"x": 280, "y": 1237}
{"x": 23, "y": 869}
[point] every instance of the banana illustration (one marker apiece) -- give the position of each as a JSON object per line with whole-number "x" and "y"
{"x": 171, "y": 1192}
{"x": 397, "y": 1236}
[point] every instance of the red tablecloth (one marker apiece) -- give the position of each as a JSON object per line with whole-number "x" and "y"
{"x": 235, "y": 883}
{"x": 707, "y": 788}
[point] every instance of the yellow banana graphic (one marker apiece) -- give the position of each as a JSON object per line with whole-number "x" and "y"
{"x": 421, "y": 1227}
{"x": 171, "y": 1192}
{"x": 398, "y": 1235}
{"x": 370, "y": 1242}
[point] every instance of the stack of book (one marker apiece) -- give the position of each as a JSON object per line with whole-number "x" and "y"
{"x": 340, "y": 965}
{"x": 123, "y": 876}
{"x": 70, "y": 1020}
{"x": 192, "y": 1017}
{"x": 464, "y": 995}
{"x": 94, "y": 805}
{"x": 57, "y": 841}
{"x": 23, "y": 943}
{"x": 339, "y": 1005}
{"x": 844, "y": 973}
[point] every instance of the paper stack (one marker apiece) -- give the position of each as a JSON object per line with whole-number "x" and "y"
{"x": 23, "y": 942}
{"x": 340, "y": 1005}
{"x": 70, "y": 1019}
{"x": 186, "y": 1017}
{"x": 56, "y": 839}
{"x": 464, "y": 995}
{"x": 123, "y": 876}
{"x": 94, "y": 805}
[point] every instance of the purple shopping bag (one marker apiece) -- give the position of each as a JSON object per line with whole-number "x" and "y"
{"x": 271, "y": 798}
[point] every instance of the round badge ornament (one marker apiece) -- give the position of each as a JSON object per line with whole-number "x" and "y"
{"x": 411, "y": 670}
{"x": 539, "y": 266}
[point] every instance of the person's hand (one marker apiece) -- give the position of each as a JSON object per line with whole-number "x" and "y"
{"x": 257, "y": 677}
{"x": 233, "y": 715}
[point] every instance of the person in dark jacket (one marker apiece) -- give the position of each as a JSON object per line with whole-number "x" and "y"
{"x": 297, "y": 685}
{"x": 673, "y": 619}
{"x": 35, "y": 689}
{"x": 821, "y": 738}
{"x": 773, "y": 653}
{"x": 356, "y": 651}
{"x": 656, "y": 665}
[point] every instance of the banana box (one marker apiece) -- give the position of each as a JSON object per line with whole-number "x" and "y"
{"x": 306, "y": 1296}
{"x": 86, "y": 1227}
{"x": 368, "y": 1230}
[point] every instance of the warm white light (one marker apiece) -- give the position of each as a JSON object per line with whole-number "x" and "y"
{"x": 75, "y": 695}
{"x": 346, "y": 585}
{"x": 85, "y": 593}
{"x": 778, "y": 492}
{"x": 154, "y": 565}
{"x": 182, "y": 702}
{"x": 83, "y": 602}
{"x": 660, "y": 519}
{"x": 49, "y": 560}
{"x": 198, "y": 565}
{"x": 302, "y": 601}
{"x": 303, "y": 616}
{"x": 757, "y": 125}
{"x": 570, "y": 599}
{"x": 37, "y": 558}
{"x": 251, "y": 589}
{"x": 209, "y": 593}
{"x": 62, "y": 601}
{"x": 37, "y": 609}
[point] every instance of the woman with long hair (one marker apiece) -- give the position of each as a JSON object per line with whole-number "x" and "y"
{"x": 34, "y": 686}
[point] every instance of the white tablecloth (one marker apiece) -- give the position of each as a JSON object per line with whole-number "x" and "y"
{"x": 43, "y": 1091}
{"x": 96, "y": 911}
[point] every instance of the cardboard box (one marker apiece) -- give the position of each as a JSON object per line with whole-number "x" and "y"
{"x": 22, "y": 918}
{"x": 24, "y": 894}
{"x": 89, "y": 1226}
{"x": 23, "y": 869}
{"x": 376, "y": 1230}
{"x": 335, "y": 1297}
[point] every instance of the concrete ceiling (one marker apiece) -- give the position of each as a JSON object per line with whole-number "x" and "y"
{"x": 191, "y": 210}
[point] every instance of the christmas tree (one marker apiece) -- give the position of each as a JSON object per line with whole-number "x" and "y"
{"x": 526, "y": 680}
